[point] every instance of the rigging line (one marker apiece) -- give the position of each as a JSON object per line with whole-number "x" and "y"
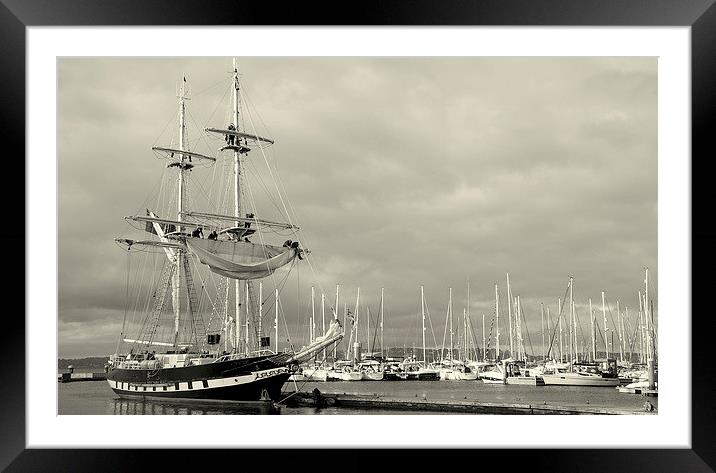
{"x": 266, "y": 255}
{"x": 171, "y": 120}
{"x": 556, "y": 325}
{"x": 225, "y": 79}
{"x": 263, "y": 154}
{"x": 203, "y": 286}
{"x": 126, "y": 301}
{"x": 442, "y": 348}
{"x": 427, "y": 311}
{"x": 529, "y": 339}
{"x": 220, "y": 101}
{"x": 259, "y": 179}
{"x": 200, "y": 131}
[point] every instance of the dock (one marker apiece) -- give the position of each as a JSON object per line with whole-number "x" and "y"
{"x": 72, "y": 377}
{"x": 371, "y": 402}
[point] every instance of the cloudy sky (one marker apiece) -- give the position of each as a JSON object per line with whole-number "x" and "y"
{"x": 401, "y": 171}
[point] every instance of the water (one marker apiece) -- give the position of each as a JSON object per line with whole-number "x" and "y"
{"x": 96, "y": 397}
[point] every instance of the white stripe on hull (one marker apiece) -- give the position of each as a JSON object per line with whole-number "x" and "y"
{"x": 196, "y": 385}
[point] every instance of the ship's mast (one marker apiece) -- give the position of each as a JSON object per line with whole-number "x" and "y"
{"x": 484, "y": 346}
{"x": 382, "y": 340}
{"x": 497, "y": 323}
{"x": 179, "y": 260}
{"x": 561, "y": 337}
{"x": 604, "y": 314}
{"x": 275, "y": 321}
{"x": 541, "y": 322}
{"x": 573, "y": 328}
{"x": 422, "y": 310}
{"x": 509, "y": 316}
{"x": 237, "y": 199}
{"x": 594, "y": 334}
{"x": 323, "y": 320}
{"x": 451, "y": 332}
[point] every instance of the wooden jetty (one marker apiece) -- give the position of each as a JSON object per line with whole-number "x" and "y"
{"x": 375, "y": 401}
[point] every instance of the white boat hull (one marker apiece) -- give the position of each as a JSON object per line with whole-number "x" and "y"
{"x": 315, "y": 374}
{"x": 525, "y": 380}
{"x": 351, "y": 376}
{"x": 577, "y": 379}
{"x": 372, "y": 376}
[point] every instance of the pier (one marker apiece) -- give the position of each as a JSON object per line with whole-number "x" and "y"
{"x": 72, "y": 377}
{"x": 370, "y": 402}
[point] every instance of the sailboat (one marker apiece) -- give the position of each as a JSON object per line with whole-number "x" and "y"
{"x": 419, "y": 370}
{"x": 175, "y": 353}
{"x": 583, "y": 373}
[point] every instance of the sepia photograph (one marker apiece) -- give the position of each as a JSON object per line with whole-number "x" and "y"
{"x": 357, "y": 235}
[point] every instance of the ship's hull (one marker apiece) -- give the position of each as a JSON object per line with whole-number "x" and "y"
{"x": 234, "y": 380}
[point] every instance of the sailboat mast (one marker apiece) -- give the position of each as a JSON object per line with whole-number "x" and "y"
{"x": 541, "y": 321}
{"x": 619, "y": 332}
{"x": 323, "y": 319}
{"x": 275, "y": 320}
{"x": 497, "y": 322}
{"x": 382, "y": 340}
{"x": 422, "y": 310}
{"x": 559, "y": 315}
{"x": 484, "y": 346}
{"x": 466, "y": 317}
{"x": 604, "y": 314}
{"x": 549, "y": 330}
{"x": 313, "y": 316}
{"x": 509, "y": 316}
{"x": 594, "y": 335}
{"x": 451, "y": 331}
{"x": 335, "y": 314}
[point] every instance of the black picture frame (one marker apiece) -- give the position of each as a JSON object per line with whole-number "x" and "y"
{"x": 700, "y": 15}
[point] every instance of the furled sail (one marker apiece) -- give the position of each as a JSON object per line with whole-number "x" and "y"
{"x": 332, "y": 335}
{"x": 241, "y": 259}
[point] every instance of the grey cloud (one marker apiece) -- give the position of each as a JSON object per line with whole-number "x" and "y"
{"x": 402, "y": 171}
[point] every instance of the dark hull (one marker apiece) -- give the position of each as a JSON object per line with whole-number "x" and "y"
{"x": 234, "y": 380}
{"x": 388, "y": 376}
{"x": 423, "y": 376}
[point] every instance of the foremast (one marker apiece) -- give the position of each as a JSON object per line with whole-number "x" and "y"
{"x": 179, "y": 254}
{"x": 238, "y": 211}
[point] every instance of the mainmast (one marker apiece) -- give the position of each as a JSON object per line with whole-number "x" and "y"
{"x": 237, "y": 198}
{"x": 179, "y": 260}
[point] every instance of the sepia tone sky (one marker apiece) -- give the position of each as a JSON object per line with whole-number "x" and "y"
{"x": 401, "y": 171}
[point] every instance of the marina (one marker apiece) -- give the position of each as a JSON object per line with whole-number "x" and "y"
{"x": 226, "y": 302}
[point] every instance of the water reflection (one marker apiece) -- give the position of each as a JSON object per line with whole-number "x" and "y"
{"x": 189, "y": 407}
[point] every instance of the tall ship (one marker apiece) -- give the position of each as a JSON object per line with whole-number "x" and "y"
{"x": 199, "y": 324}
